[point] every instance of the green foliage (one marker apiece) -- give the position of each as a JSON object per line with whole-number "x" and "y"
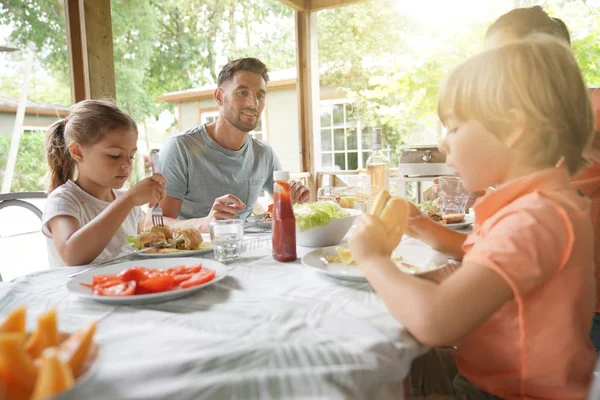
{"x": 31, "y": 165}
{"x": 159, "y": 45}
{"x": 394, "y": 68}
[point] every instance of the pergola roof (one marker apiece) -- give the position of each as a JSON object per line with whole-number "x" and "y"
{"x": 316, "y": 5}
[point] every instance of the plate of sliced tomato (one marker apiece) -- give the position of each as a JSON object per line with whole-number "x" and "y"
{"x": 147, "y": 281}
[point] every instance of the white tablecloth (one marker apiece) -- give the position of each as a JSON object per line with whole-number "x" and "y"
{"x": 268, "y": 331}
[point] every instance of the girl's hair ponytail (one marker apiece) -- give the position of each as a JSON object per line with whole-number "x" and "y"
{"x": 61, "y": 165}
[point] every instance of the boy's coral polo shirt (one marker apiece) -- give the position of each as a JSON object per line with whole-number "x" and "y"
{"x": 535, "y": 232}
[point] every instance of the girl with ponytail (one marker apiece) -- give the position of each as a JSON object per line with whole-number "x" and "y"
{"x": 87, "y": 218}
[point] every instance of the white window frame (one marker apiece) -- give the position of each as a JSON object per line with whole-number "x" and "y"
{"x": 359, "y": 145}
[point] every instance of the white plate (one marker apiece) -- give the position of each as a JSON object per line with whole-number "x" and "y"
{"x": 421, "y": 256}
{"x": 459, "y": 225}
{"x": 258, "y": 221}
{"x": 180, "y": 253}
{"x": 74, "y": 285}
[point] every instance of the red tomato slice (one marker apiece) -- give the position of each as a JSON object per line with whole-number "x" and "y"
{"x": 180, "y": 269}
{"x": 193, "y": 269}
{"x": 108, "y": 283}
{"x": 103, "y": 278}
{"x": 205, "y": 275}
{"x": 121, "y": 289}
{"x": 181, "y": 277}
{"x": 136, "y": 274}
{"x": 156, "y": 284}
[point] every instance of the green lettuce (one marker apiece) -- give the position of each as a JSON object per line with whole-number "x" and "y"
{"x": 311, "y": 215}
{"x": 132, "y": 240}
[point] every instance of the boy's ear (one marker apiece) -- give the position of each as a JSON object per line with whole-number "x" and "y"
{"x": 520, "y": 127}
{"x": 75, "y": 152}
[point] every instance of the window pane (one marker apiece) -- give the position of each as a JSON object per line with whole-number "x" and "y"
{"x": 367, "y": 138}
{"x": 338, "y": 139}
{"x": 353, "y": 160}
{"x": 340, "y": 160}
{"x": 325, "y": 139}
{"x": 365, "y": 156}
{"x": 326, "y": 160}
{"x": 351, "y": 114}
{"x": 351, "y": 139}
{"x": 338, "y": 115}
{"x": 325, "y": 116}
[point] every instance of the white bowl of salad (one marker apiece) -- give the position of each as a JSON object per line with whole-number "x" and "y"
{"x": 323, "y": 223}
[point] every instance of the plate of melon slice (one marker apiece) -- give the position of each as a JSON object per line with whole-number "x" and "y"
{"x": 46, "y": 362}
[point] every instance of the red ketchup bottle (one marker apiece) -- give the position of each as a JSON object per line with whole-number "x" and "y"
{"x": 284, "y": 222}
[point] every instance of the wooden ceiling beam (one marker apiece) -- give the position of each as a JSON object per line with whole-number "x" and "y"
{"x": 90, "y": 46}
{"x": 298, "y": 5}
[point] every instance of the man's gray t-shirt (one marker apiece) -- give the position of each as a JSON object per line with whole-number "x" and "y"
{"x": 198, "y": 170}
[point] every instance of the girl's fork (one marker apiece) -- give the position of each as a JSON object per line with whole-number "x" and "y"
{"x": 157, "y": 213}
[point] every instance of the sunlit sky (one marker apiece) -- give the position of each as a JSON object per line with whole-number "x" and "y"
{"x": 445, "y": 13}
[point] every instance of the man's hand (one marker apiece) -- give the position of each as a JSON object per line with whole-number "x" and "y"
{"x": 225, "y": 207}
{"x": 299, "y": 192}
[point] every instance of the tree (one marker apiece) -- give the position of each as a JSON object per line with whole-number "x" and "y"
{"x": 367, "y": 50}
{"x": 161, "y": 46}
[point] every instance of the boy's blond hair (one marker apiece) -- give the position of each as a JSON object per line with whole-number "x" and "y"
{"x": 535, "y": 84}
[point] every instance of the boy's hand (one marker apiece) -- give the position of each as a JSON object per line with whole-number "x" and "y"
{"x": 417, "y": 220}
{"x": 150, "y": 190}
{"x": 370, "y": 240}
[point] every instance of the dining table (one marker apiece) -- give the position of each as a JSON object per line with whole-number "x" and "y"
{"x": 268, "y": 330}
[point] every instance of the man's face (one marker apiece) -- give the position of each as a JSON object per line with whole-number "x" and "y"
{"x": 243, "y": 99}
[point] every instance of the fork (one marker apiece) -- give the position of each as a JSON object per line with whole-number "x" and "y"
{"x": 157, "y": 212}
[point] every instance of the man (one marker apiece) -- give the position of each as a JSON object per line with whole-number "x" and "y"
{"x": 217, "y": 171}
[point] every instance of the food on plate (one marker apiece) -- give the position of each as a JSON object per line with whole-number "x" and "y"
{"x": 44, "y": 363}
{"x": 140, "y": 280}
{"x": 187, "y": 238}
{"x": 393, "y": 212}
{"x": 170, "y": 250}
{"x": 344, "y": 256}
{"x": 269, "y": 213}
{"x": 434, "y": 212}
{"x": 310, "y": 215}
{"x": 173, "y": 240}
{"x": 453, "y": 218}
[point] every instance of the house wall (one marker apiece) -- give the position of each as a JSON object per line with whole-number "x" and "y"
{"x": 7, "y": 121}
{"x": 187, "y": 116}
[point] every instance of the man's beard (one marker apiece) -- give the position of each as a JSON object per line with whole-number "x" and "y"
{"x": 239, "y": 124}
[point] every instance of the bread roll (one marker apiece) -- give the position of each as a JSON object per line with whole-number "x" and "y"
{"x": 393, "y": 213}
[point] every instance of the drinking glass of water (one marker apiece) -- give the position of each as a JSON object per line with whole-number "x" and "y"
{"x": 453, "y": 195}
{"x": 226, "y": 237}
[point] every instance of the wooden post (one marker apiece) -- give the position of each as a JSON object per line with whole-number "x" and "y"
{"x": 308, "y": 90}
{"x": 90, "y": 44}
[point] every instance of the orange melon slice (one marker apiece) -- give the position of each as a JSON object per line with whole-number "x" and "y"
{"x": 46, "y": 334}
{"x": 54, "y": 377}
{"x": 16, "y": 365}
{"x": 15, "y": 321}
{"x": 76, "y": 348}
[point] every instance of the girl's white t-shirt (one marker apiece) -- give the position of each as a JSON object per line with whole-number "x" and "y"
{"x": 69, "y": 199}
